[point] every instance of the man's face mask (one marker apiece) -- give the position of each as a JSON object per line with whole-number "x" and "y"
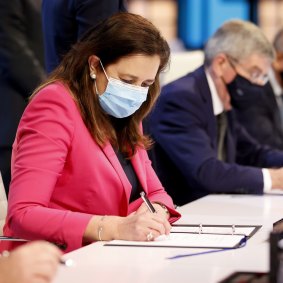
{"x": 243, "y": 93}
{"x": 121, "y": 99}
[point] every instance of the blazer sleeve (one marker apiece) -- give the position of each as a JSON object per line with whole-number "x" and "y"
{"x": 43, "y": 140}
{"x": 180, "y": 125}
{"x": 156, "y": 192}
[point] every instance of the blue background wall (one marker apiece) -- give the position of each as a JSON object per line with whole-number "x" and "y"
{"x": 198, "y": 19}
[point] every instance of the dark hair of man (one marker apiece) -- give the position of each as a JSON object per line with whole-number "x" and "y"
{"x": 121, "y": 35}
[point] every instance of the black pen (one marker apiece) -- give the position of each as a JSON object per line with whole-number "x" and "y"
{"x": 68, "y": 262}
{"x": 147, "y": 202}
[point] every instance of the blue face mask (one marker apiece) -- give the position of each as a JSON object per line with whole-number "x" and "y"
{"x": 121, "y": 99}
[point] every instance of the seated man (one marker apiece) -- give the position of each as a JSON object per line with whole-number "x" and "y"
{"x": 261, "y": 115}
{"x": 200, "y": 147}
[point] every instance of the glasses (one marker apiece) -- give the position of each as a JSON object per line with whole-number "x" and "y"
{"x": 255, "y": 76}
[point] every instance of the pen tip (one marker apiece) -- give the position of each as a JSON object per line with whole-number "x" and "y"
{"x": 68, "y": 262}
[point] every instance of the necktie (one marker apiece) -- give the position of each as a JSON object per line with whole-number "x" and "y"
{"x": 279, "y": 100}
{"x": 221, "y": 134}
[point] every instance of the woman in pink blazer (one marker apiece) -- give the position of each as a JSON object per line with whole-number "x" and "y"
{"x": 79, "y": 159}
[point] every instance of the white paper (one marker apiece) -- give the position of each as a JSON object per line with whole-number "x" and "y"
{"x": 187, "y": 240}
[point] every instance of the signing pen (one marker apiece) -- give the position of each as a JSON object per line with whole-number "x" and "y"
{"x": 147, "y": 202}
{"x": 68, "y": 262}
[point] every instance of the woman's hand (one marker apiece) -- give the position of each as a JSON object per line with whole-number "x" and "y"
{"x": 34, "y": 262}
{"x": 158, "y": 208}
{"x": 143, "y": 225}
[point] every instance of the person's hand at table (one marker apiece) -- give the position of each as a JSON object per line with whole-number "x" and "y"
{"x": 34, "y": 262}
{"x": 140, "y": 225}
{"x": 143, "y": 225}
{"x": 159, "y": 209}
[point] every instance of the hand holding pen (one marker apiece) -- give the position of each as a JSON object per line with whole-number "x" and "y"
{"x": 158, "y": 207}
{"x": 32, "y": 245}
{"x": 147, "y": 202}
{"x": 143, "y": 224}
{"x": 33, "y": 262}
{"x": 150, "y": 207}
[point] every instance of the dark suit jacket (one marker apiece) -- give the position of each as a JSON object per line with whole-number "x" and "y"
{"x": 185, "y": 154}
{"x": 262, "y": 118}
{"x": 21, "y": 61}
{"x": 65, "y": 21}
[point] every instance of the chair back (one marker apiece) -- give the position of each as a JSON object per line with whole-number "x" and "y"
{"x": 3, "y": 205}
{"x": 182, "y": 63}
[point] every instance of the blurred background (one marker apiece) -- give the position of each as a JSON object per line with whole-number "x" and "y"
{"x": 187, "y": 24}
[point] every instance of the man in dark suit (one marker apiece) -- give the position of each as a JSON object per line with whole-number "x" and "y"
{"x": 200, "y": 147}
{"x": 21, "y": 69}
{"x": 65, "y": 21}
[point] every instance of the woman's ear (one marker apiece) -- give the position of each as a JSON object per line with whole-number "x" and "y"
{"x": 93, "y": 62}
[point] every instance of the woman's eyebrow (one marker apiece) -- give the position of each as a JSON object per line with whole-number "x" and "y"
{"x": 136, "y": 78}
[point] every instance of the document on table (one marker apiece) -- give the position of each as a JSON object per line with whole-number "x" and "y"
{"x": 247, "y": 230}
{"x": 189, "y": 236}
{"x": 186, "y": 240}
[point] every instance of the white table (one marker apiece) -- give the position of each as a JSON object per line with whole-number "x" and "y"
{"x": 97, "y": 263}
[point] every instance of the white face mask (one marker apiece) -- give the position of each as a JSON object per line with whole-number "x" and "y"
{"x": 121, "y": 99}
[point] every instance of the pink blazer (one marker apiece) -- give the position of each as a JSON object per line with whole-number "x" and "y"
{"x": 61, "y": 176}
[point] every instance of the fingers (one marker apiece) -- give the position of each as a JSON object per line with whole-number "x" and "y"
{"x": 45, "y": 271}
{"x": 166, "y": 224}
{"x": 150, "y": 226}
{"x": 42, "y": 248}
{"x": 160, "y": 212}
{"x": 37, "y": 261}
{"x": 159, "y": 224}
{"x": 133, "y": 213}
{"x": 150, "y": 236}
{"x": 142, "y": 209}
{"x": 48, "y": 257}
{"x": 142, "y": 227}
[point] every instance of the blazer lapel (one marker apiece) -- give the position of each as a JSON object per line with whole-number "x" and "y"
{"x": 113, "y": 159}
{"x": 205, "y": 94}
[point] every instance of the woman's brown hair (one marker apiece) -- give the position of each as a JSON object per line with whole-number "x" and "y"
{"x": 121, "y": 35}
